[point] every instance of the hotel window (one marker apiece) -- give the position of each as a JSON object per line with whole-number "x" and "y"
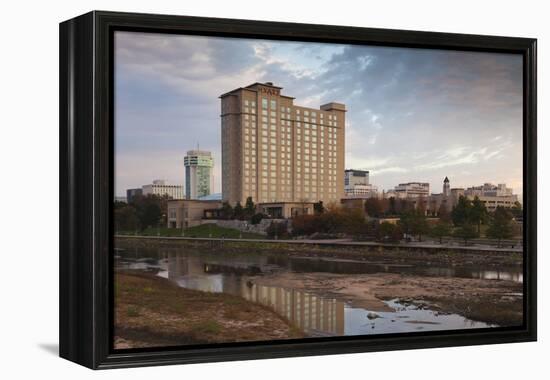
{"x": 264, "y": 160}
{"x": 273, "y": 127}
{"x": 273, "y": 104}
{"x": 246, "y": 117}
{"x": 264, "y": 146}
{"x": 253, "y": 110}
{"x": 246, "y": 102}
{"x": 264, "y": 112}
{"x": 273, "y": 134}
{"x": 264, "y": 133}
{"x": 273, "y": 113}
{"x": 264, "y": 103}
{"x": 253, "y": 103}
{"x": 264, "y": 119}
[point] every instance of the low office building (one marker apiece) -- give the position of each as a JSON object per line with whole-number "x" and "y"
{"x": 356, "y": 184}
{"x": 412, "y": 190}
{"x": 189, "y": 213}
{"x": 286, "y": 209}
{"x": 162, "y": 188}
{"x": 131, "y": 194}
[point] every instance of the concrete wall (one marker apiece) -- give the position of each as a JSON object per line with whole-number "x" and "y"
{"x": 243, "y": 225}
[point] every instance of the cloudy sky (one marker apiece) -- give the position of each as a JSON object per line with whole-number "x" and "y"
{"x": 413, "y": 114}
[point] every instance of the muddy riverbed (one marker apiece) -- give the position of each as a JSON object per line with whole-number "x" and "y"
{"x": 328, "y": 295}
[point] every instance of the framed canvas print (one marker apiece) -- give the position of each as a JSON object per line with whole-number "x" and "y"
{"x": 237, "y": 189}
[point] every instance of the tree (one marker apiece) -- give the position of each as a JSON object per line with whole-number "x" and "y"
{"x": 150, "y": 210}
{"x": 500, "y": 225}
{"x": 443, "y": 213}
{"x": 226, "y": 211}
{"x": 238, "y": 211}
{"x": 277, "y": 230}
{"x": 392, "y": 210}
{"x": 478, "y": 213}
{"x": 318, "y": 207}
{"x": 414, "y": 223}
{"x": 421, "y": 205}
{"x": 373, "y": 207}
{"x": 257, "y": 218}
{"x": 466, "y": 231}
{"x": 517, "y": 210}
{"x": 440, "y": 230}
{"x": 461, "y": 212}
{"x": 249, "y": 208}
{"x": 126, "y": 218}
{"x": 386, "y": 231}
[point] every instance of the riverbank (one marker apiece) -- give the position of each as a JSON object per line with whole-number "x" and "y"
{"x": 151, "y": 311}
{"x": 491, "y": 301}
{"x": 365, "y": 252}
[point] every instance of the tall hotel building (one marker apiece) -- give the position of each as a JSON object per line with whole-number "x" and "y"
{"x": 275, "y": 151}
{"x": 198, "y": 174}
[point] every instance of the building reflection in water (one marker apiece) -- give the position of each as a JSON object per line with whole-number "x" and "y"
{"x": 314, "y": 315}
{"x": 317, "y": 316}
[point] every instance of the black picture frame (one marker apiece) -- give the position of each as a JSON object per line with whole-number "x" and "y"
{"x": 86, "y": 187}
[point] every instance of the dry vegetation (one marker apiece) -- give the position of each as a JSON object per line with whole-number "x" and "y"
{"x": 151, "y": 311}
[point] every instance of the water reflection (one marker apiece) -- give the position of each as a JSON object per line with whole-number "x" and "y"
{"x": 312, "y": 313}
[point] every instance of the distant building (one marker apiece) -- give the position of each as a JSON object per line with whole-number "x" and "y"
{"x": 276, "y": 151}
{"x": 198, "y": 174}
{"x": 489, "y": 190}
{"x": 409, "y": 190}
{"x": 161, "y": 188}
{"x": 356, "y": 184}
{"x": 131, "y": 194}
{"x": 446, "y": 187}
{"x": 188, "y": 213}
{"x": 492, "y": 196}
{"x": 120, "y": 198}
{"x": 212, "y": 197}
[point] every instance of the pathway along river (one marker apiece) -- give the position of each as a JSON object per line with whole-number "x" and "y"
{"x": 316, "y": 313}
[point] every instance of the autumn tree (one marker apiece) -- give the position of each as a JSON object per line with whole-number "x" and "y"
{"x": 374, "y": 207}
{"x": 318, "y": 207}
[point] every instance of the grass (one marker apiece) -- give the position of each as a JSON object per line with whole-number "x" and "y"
{"x": 152, "y": 311}
{"x": 201, "y": 231}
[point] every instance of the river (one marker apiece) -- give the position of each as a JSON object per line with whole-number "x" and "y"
{"x": 315, "y": 314}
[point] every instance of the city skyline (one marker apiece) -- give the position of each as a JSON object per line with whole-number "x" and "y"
{"x": 459, "y": 113}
